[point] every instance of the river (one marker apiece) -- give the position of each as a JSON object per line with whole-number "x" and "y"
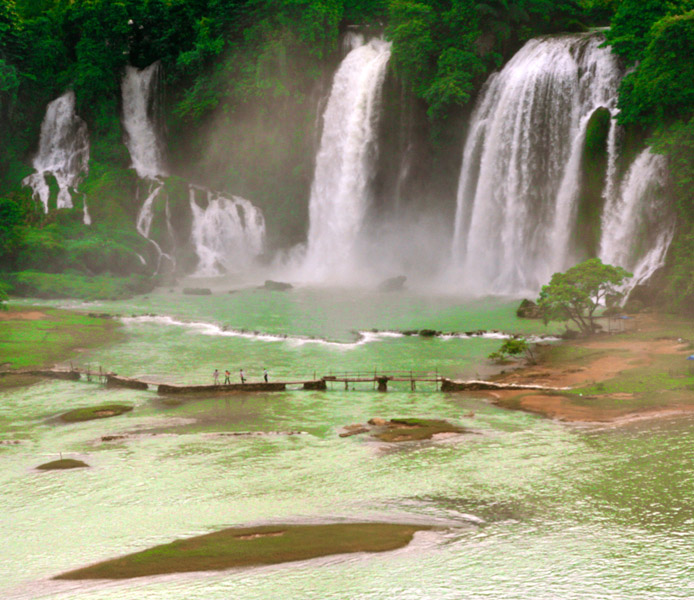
{"x": 528, "y": 508}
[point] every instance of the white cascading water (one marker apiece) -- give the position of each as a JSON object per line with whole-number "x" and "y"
{"x": 344, "y": 163}
{"x": 228, "y": 234}
{"x": 637, "y": 227}
{"x": 139, "y": 92}
{"x": 63, "y": 153}
{"x": 519, "y": 183}
{"x": 139, "y": 97}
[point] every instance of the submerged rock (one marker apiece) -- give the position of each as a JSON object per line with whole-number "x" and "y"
{"x": 197, "y": 291}
{"x": 276, "y": 286}
{"x": 393, "y": 284}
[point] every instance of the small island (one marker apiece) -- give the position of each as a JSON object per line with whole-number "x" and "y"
{"x": 252, "y": 546}
{"x": 90, "y": 413}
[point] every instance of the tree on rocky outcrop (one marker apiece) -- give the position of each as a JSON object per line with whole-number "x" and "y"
{"x": 576, "y": 294}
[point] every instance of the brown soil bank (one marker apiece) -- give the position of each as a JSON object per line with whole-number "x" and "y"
{"x": 245, "y": 547}
{"x": 641, "y": 373}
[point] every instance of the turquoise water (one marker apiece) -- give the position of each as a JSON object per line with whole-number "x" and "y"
{"x": 528, "y": 508}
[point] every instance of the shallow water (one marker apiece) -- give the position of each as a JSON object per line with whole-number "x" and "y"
{"x": 528, "y": 508}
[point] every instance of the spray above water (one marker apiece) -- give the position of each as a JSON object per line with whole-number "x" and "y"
{"x": 345, "y": 163}
{"x": 63, "y": 153}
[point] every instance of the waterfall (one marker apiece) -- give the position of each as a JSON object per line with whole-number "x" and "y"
{"x": 227, "y": 235}
{"x": 229, "y": 232}
{"x": 519, "y": 182}
{"x": 63, "y": 153}
{"x": 139, "y": 90}
{"x": 637, "y": 227}
{"x": 344, "y": 163}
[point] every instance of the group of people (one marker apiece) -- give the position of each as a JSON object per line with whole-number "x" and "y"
{"x": 227, "y": 376}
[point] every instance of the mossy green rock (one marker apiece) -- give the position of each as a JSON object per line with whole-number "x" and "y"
{"x": 61, "y": 464}
{"x": 95, "y": 412}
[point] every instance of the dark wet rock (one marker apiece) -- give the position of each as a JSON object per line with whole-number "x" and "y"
{"x": 113, "y": 438}
{"x": 197, "y": 291}
{"x": 393, "y": 284}
{"x": 428, "y": 333}
{"x": 61, "y": 464}
{"x": 276, "y": 286}
{"x": 355, "y": 429}
{"x": 528, "y": 310}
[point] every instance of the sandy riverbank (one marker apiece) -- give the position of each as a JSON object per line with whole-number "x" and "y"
{"x": 638, "y": 374}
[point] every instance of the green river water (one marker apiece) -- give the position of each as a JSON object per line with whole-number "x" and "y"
{"x": 528, "y": 508}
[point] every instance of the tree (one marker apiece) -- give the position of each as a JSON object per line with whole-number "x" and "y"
{"x": 514, "y": 347}
{"x": 576, "y": 294}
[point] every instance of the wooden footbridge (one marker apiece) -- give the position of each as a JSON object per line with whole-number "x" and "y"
{"x": 378, "y": 380}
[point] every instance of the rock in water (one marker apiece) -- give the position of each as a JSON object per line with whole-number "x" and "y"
{"x": 394, "y": 284}
{"x": 528, "y": 310}
{"x": 197, "y": 291}
{"x": 276, "y": 286}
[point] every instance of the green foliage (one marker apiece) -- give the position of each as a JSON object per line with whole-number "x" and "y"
{"x": 3, "y": 295}
{"x": 576, "y": 294}
{"x": 593, "y": 169}
{"x": 514, "y": 347}
{"x": 71, "y": 285}
{"x": 661, "y": 87}
{"x": 628, "y": 33}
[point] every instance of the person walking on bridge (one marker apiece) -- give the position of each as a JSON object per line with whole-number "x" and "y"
{"x": 243, "y": 379}
{"x": 227, "y": 377}
{"x": 215, "y": 376}
{"x": 265, "y": 375}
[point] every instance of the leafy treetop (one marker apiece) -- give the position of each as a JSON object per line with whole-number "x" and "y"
{"x": 576, "y": 294}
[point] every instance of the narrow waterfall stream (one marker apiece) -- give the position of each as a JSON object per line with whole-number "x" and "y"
{"x": 636, "y": 226}
{"x": 344, "y": 164}
{"x": 63, "y": 153}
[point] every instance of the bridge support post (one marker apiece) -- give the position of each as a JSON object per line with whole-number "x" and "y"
{"x": 382, "y": 384}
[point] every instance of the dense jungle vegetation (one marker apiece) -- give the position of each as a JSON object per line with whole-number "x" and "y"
{"x": 243, "y": 81}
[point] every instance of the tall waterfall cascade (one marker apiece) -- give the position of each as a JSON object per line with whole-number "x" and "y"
{"x": 519, "y": 182}
{"x": 226, "y": 233}
{"x": 345, "y": 162}
{"x": 63, "y": 154}
{"x": 637, "y": 227}
{"x": 139, "y": 90}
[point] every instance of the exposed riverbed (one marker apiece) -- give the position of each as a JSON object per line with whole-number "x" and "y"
{"x": 523, "y": 507}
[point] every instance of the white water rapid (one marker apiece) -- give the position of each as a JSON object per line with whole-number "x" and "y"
{"x": 637, "y": 228}
{"x": 518, "y": 188}
{"x": 345, "y": 163}
{"x": 227, "y": 235}
{"x": 63, "y": 153}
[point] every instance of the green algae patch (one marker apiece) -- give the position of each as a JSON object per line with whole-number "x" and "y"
{"x": 95, "y": 412}
{"x": 252, "y": 546}
{"x": 35, "y": 338}
{"x": 61, "y": 464}
{"x": 412, "y": 429}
